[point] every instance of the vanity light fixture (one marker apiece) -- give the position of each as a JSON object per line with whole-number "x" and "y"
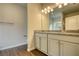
{"x": 48, "y": 11}
{"x": 45, "y": 12}
{"x": 42, "y": 11}
{"x": 45, "y": 9}
{"x": 48, "y": 7}
{"x": 52, "y": 10}
{"x": 60, "y": 6}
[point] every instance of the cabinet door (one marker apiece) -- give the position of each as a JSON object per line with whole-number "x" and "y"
{"x": 37, "y": 42}
{"x": 44, "y": 44}
{"x": 69, "y": 49}
{"x": 53, "y": 47}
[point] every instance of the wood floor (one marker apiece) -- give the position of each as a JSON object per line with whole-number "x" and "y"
{"x": 13, "y": 52}
{"x": 37, "y": 53}
{"x": 21, "y": 51}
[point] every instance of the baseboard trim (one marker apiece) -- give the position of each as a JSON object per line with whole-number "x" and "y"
{"x": 30, "y": 49}
{"x": 13, "y": 46}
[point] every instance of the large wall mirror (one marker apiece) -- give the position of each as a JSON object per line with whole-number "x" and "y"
{"x": 55, "y": 20}
{"x": 72, "y": 22}
{"x": 65, "y": 18}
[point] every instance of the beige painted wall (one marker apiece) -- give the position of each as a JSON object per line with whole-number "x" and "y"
{"x": 45, "y": 21}
{"x": 12, "y": 35}
{"x": 36, "y": 21}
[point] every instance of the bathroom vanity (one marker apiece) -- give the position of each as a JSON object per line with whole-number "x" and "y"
{"x": 63, "y": 40}
{"x": 57, "y": 43}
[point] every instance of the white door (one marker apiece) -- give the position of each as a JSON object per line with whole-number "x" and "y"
{"x": 44, "y": 44}
{"x": 37, "y": 42}
{"x": 69, "y": 49}
{"x": 53, "y": 47}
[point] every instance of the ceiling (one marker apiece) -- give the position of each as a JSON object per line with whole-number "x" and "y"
{"x": 70, "y": 8}
{"x": 22, "y": 4}
{"x": 45, "y": 5}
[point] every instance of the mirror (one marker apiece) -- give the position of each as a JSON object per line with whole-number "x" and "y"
{"x": 55, "y": 20}
{"x": 72, "y": 22}
{"x": 65, "y": 18}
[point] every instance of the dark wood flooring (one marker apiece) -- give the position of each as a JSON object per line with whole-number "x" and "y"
{"x": 37, "y": 53}
{"x": 20, "y": 51}
{"x": 14, "y": 52}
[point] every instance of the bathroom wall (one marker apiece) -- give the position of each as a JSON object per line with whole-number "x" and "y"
{"x": 12, "y": 35}
{"x": 34, "y": 22}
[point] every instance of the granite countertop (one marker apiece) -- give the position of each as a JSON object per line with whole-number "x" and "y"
{"x": 59, "y": 33}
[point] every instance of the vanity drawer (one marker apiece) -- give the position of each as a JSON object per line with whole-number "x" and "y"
{"x": 38, "y": 34}
{"x": 51, "y": 36}
{"x": 44, "y": 35}
{"x": 41, "y": 34}
{"x": 64, "y": 38}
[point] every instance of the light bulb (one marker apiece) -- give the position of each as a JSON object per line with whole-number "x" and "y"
{"x": 42, "y": 11}
{"x": 48, "y": 11}
{"x": 45, "y": 12}
{"x": 45, "y": 9}
{"x": 60, "y": 6}
{"x": 51, "y": 9}
{"x": 48, "y": 7}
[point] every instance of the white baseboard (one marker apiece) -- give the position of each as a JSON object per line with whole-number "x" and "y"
{"x": 13, "y": 46}
{"x": 30, "y": 49}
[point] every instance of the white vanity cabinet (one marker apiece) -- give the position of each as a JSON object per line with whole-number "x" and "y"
{"x": 69, "y": 49}
{"x": 54, "y": 44}
{"x": 41, "y": 42}
{"x": 37, "y": 42}
{"x": 63, "y": 45}
{"x": 53, "y": 47}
